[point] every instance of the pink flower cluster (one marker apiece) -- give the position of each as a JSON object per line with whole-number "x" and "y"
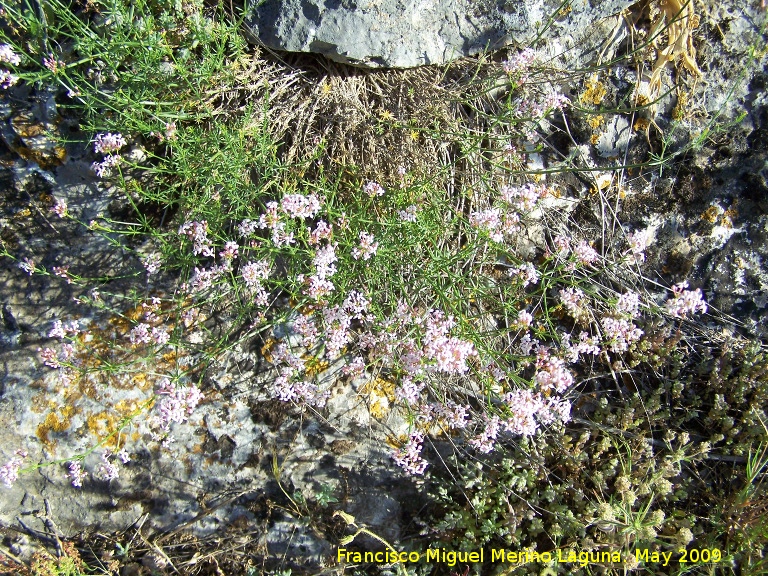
{"x": 176, "y": 403}
{"x": 450, "y": 354}
{"x": 145, "y": 333}
{"x": 586, "y": 345}
{"x": 486, "y": 440}
{"x": 104, "y": 168}
{"x": 254, "y": 273}
{"x": 585, "y": 253}
{"x": 488, "y": 220}
{"x": 619, "y": 333}
{"x": 289, "y": 385}
{"x": 551, "y": 373}
{"x": 61, "y": 330}
{"x": 271, "y": 219}
{"x": 374, "y": 189}
{"x": 322, "y": 231}
{"x": 9, "y": 472}
{"x": 409, "y": 214}
{"x": 629, "y": 304}
{"x": 109, "y": 143}
{"x": 523, "y": 198}
{"x": 409, "y": 456}
{"x": 523, "y": 321}
{"x": 152, "y": 263}
{"x": 204, "y": 278}
{"x": 354, "y": 369}
{"x": 7, "y": 55}
{"x": 367, "y": 247}
{"x": 526, "y": 273}
{"x": 305, "y": 326}
{"x": 7, "y": 79}
{"x": 76, "y": 474}
{"x": 638, "y": 242}
{"x": 197, "y": 232}
{"x": 60, "y": 208}
{"x": 518, "y": 65}
{"x": 571, "y": 298}
{"x": 504, "y": 220}
{"x": 298, "y": 206}
{"x": 107, "y": 470}
{"x": 685, "y": 302}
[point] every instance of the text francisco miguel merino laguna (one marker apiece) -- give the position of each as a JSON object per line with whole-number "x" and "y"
{"x": 453, "y": 557}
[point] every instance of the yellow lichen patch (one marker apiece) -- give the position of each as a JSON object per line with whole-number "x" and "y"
{"x": 378, "y": 407}
{"x": 380, "y": 387}
{"x": 55, "y": 423}
{"x": 314, "y": 365}
{"x": 127, "y": 407}
{"x": 641, "y": 125}
{"x": 726, "y": 220}
{"x": 102, "y": 426}
{"x": 41, "y": 403}
{"x": 596, "y": 121}
{"x": 266, "y": 350}
{"x": 594, "y": 139}
{"x": 595, "y": 91}
{"x": 710, "y": 214}
{"x": 141, "y": 381}
{"x": 397, "y": 442}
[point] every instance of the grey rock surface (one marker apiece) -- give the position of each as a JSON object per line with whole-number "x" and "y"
{"x": 407, "y": 33}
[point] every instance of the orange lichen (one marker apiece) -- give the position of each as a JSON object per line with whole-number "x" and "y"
{"x": 314, "y": 365}
{"x": 55, "y": 423}
{"x": 596, "y": 121}
{"x": 710, "y": 214}
{"x": 103, "y": 426}
{"x": 641, "y": 125}
{"x": 595, "y": 91}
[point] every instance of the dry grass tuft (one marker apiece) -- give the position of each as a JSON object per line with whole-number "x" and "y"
{"x": 371, "y": 122}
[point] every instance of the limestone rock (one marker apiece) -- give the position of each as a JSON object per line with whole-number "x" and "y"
{"x": 408, "y": 33}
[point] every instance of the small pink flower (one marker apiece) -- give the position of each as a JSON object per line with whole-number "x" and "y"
{"x": 50, "y": 357}
{"x": 685, "y": 301}
{"x": 152, "y": 263}
{"x": 374, "y": 189}
{"x": 8, "y": 55}
{"x": 524, "y": 320}
{"x": 230, "y": 251}
{"x": 9, "y": 472}
{"x": 585, "y": 253}
{"x": 60, "y": 208}
{"x": 409, "y": 456}
{"x": 28, "y": 266}
{"x": 109, "y": 143}
{"x": 367, "y": 247}
{"x": 76, "y": 474}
